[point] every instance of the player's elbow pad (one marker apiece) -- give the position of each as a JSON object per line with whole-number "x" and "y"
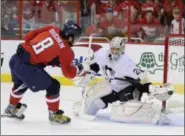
{"x": 95, "y": 67}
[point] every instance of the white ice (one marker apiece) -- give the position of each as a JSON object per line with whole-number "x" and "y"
{"x": 36, "y": 120}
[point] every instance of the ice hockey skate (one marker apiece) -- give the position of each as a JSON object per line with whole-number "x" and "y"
{"x": 58, "y": 117}
{"x": 15, "y": 111}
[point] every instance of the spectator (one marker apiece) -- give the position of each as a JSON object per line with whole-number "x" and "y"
{"x": 152, "y": 6}
{"x": 160, "y": 10}
{"x": 109, "y": 20}
{"x": 45, "y": 12}
{"x": 133, "y": 24}
{"x": 95, "y": 28}
{"x": 97, "y": 6}
{"x": 115, "y": 5}
{"x": 93, "y": 9}
{"x": 13, "y": 23}
{"x": 28, "y": 20}
{"x": 101, "y": 6}
{"x": 175, "y": 25}
{"x": 36, "y": 7}
{"x": 9, "y": 19}
{"x": 168, "y": 8}
{"x": 111, "y": 25}
{"x": 132, "y": 3}
{"x": 150, "y": 27}
{"x": 5, "y": 22}
{"x": 7, "y": 30}
{"x": 85, "y": 14}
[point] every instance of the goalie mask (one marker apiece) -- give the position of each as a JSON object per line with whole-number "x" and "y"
{"x": 117, "y": 48}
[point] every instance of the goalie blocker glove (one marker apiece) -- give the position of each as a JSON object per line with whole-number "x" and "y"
{"x": 95, "y": 67}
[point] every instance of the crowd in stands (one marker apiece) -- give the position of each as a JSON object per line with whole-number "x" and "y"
{"x": 140, "y": 19}
{"x": 147, "y": 20}
{"x": 9, "y": 18}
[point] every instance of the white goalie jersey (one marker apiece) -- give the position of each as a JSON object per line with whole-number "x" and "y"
{"x": 120, "y": 68}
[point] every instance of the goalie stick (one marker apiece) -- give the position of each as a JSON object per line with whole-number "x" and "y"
{"x": 82, "y": 114}
{"x": 126, "y": 78}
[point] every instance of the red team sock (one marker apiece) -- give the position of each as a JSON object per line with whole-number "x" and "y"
{"x": 53, "y": 103}
{"x": 15, "y": 98}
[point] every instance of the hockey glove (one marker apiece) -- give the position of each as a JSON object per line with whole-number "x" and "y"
{"x": 95, "y": 67}
{"x": 82, "y": 68}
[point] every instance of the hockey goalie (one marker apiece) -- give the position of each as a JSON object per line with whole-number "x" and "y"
{"x": 125, "y": 88}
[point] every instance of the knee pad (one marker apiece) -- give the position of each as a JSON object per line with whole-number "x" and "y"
{"x": 53, "y": 89}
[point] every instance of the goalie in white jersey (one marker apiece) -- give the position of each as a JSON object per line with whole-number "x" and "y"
{"x": 124, "y": 84}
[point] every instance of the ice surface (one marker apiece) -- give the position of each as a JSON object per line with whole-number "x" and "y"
{"x": 36, "y": 120}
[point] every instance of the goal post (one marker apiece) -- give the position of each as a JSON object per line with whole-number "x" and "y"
{"x": 173, "y": 42}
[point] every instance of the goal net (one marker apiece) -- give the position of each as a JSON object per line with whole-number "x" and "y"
{"x": 174, "y": 67}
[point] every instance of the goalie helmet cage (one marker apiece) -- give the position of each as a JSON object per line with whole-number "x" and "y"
{"x": 170, "y": 40}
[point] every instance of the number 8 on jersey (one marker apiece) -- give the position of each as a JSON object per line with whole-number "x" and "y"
{"x": 41, "y": 46}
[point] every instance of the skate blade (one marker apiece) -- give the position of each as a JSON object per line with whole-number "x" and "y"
{"x": 12, "y": 116}
{"x": 59, "y": 123}
{"x": 7, "y": 116}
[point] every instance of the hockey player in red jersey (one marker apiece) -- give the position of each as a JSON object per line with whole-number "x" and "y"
{"x": 42, "y": 47}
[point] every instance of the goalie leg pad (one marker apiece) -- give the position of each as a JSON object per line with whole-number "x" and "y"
{"x": 92, "y": 107}
{"x": 135, "y": 112}
{"x": 99, "y": 89}
{"x": 93, "y": 101}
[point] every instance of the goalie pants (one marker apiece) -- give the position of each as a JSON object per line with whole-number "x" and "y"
{"x": 33, "y": 76}
{"x": 124, "y": 95}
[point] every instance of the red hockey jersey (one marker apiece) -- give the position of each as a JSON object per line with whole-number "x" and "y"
{"x": 45, "y": 44}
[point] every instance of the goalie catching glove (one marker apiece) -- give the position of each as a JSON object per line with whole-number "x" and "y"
{"x": 142, "y": 82}
{"x": 162, "y": 93}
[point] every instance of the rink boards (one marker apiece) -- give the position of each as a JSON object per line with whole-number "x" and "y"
{"x": 150, "y": 57}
